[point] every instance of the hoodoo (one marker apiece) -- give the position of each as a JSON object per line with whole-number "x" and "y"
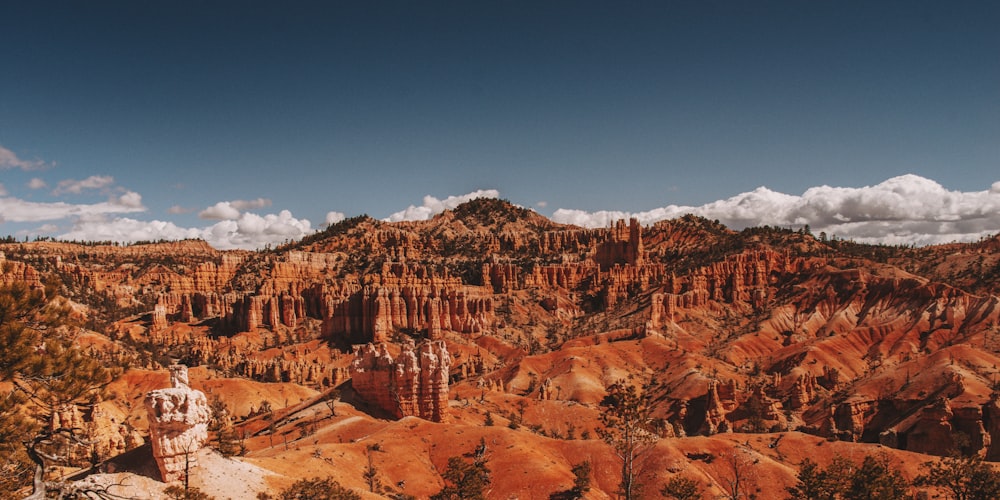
{"x": 178, "y": 424}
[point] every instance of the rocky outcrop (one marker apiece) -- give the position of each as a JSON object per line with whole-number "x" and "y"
{"x": 400, "y": 298}
{"x": 942, "y": 429}
{"x": 802, "y": 392}
{"x": 743, "y": 278}
{"x": 178, "y": 424}
{"x": 103, "y": 428}
{"x": 967, "y": 422}
{"x": 414, "y": 383}
{"x": 15, "y": 271}
{"x": 407, "y": 298}
{"x": 991, "y": 424}
{"x": 715, "y": 412}
{"x": 848, "y": 419}
{"x": 759, "y": 404}
{"x": 932, "y": 432}
{"x": 624, "y": 247}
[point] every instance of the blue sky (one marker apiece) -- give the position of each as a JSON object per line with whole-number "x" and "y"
{"x": 248, "y": 123}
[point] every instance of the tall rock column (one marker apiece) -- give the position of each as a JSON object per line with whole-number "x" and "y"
{"x": 178, "y": 424}
{"x": 434, "y": 319}
{"x": 413, "y": 384}
{"x": 435, "y": 369}
{"x": 406, "y": 381}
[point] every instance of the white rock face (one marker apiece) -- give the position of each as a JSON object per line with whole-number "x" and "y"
{"x": 178, "y": 424}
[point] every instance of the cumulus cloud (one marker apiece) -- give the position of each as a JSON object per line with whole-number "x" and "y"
{"x": 222, "y": 210}
{"x": 334, "y": 217}
{"x": 123, "y": 229}
{"x": 908, "y": 209}
{"x": 130, "y": 199}
{"x": 248, "y": 231}
{"x": 902, "y": 210}
{"x": 37, "y": 183}
{"x": 9, "y": 160}
{"x": 74, "y": 186}
{"x": 3, "y": 190}
{"x": 228, "y": 210}
{"x": 433, "y": 206}
{"x": 254, "y": 231}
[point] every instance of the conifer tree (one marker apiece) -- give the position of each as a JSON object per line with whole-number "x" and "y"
{"x": 965, "y": 478}
{"x": 466, "y": 480}
{"x": 627, "y": 422}
{"x": 46, "y": 374}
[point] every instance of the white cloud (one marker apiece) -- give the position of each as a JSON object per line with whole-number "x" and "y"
{"x": 17, "y": 210}
{"x": 250, "y": 204}
{"x": 9, "y": 160}
{"x": 37, "y": 183}
{"x": 76, "y": 187}
{"x": 222, "y": 210}
{"x": 255, "y": 231}
{"x": 334, "y": 217}
{"x": 903, "y": 210}
{"x": 3, "y": 190}
{"x": 433, "y": 206}
{"x": 130, "y": 199}
{"x": 908, "y": 209}
{"x": 249, "y": 231}
{"x": 123, "y": 229}
{"x": 229, "y": 210}
{"x": 542, "y": 204}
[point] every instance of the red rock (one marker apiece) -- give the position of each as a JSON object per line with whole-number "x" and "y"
{"x": 415, "y": 383}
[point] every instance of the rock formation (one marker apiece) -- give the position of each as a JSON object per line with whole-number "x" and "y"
{"x": 828, "y": 327}
{"x": 107, "y": 436}
{"x": 715, "y": 412}
{"x": 415, "y": 383}
{"x": 178, "y": 424}
{"x": 991, "y": 422}
{"x": 802, "y": 392}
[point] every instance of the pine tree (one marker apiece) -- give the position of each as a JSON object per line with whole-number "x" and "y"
{"x": 317, "y": 489}
{"x": 877, "y": 479}
{"x": 627, "y": 422}
{"x": 966, "y": 478}
{"x": 466, "y": 480}
{"x": 47, "y": 374}
{"x": 682, "y": 488}
{"x": 874, "y": 479}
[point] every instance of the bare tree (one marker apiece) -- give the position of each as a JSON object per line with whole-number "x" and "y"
{"x": 740, "y": 477}
{"x": 331, "y": 401}
{"x": 371, "y": 472}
